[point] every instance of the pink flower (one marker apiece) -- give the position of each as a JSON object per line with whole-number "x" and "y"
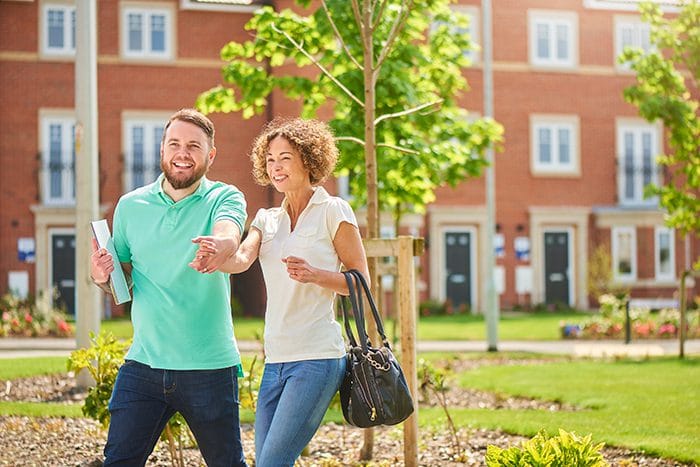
{"x": 63, "y": 327}
{"x": 28, "y": 318}
{"x": 643, "y": 329}
{"x": 667, "y": 329}
{"x": 5, "y": 316}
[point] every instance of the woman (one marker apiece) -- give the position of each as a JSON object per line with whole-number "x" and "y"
{"x": 301, "y": 246}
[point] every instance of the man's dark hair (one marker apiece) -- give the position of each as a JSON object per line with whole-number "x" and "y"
{"x": 194, "y": 117}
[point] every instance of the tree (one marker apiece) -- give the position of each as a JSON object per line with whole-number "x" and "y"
{"x": 397, "y": 59}
{"x": 667, "y": 90}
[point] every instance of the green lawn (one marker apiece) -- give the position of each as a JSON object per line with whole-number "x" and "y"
{"x": 11, "y": 368}
{"x": 649, "y": 405}
{"x": 245, "y": 328}
{"x": 512, "y": 326}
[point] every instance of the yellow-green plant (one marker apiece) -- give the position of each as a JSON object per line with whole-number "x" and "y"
{"x": 565, "y": 450}
{"x": 102, "y": 360}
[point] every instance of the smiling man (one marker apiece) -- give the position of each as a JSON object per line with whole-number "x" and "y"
{"x": 184, "y": 356}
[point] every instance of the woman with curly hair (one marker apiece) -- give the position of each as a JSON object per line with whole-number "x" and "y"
{"x": 301, "y": 246}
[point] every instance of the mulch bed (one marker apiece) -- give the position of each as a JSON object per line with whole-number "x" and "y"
{"x": 46, "y": 441}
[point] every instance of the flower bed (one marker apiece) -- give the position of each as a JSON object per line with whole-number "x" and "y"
{"x": 610, "y": 321}
{"x": 32, "y": 318}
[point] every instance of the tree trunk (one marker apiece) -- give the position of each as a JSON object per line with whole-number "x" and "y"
{"x": 366, "y": 451}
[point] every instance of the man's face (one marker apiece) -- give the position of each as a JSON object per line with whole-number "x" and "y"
{"x": 185, "y": 155}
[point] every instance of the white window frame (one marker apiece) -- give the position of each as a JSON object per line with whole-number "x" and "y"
{"x": 150, "y": 122}
{"x": 236, "y": 7}
{"x": 69, "y": 11}
{"x": 67, "y": 177}
{"x": 615, "y": 233}
{"x": 148, "y": 11}
{"x": 553, "y": 19}
{"x": 474, "y": 31}
{"x": 671, "y": 274}
{"x": 555, "y": 123}
{"x": 641, "y": 37}
{"x": 629, "y": 5}
{"x": 637, "y": 128}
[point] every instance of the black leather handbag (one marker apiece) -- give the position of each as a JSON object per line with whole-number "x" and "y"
{"x": 374, "y": 391}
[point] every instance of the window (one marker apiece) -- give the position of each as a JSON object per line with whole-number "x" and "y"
{"x": 631, "y": 32}
{"x": 58, "y": 26}
{"x": 629, "y": 5}
{"x": 554, "y": 145}
{"x": 242, "y": 6}
{"x": 637, "y": 147}
{"x": 624, "y": 253}
{"x": 58, "y": 160}
{"x": 664, "y": 254}
{"x": 471, "y": 30}
{"x": 142, "y": 151}
{"x": 147, "y": 32}
{"x": 553, "y": 39}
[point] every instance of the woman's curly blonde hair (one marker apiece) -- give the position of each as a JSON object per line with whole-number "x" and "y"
{"x": 312, "y": 138}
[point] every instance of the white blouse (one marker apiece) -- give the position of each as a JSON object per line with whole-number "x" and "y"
{"x": 300, "y": 320}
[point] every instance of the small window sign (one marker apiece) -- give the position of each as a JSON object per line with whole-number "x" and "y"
{"x": 26, "y": 250}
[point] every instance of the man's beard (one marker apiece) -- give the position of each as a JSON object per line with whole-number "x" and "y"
{"x": 180, "y": 182}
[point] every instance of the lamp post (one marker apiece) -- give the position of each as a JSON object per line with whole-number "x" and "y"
{"x": 88, "y": 303}
{"x": 490, "y": 282}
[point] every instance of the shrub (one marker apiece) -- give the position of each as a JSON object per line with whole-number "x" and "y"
{"x": 102, "y": 360}
{"x": 644, "y": 324}
{"x": 564, "y": 450}
{"x": 32, "y": 317}
{"x": 432, "y": 307}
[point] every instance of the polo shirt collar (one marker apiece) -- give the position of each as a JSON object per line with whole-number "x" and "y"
{"x": 320, "y": 196}
{"x": 157, "y": 188}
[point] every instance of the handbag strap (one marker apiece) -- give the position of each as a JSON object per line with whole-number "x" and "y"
{"x": 356, "y": 286}
{"x": 357, "y": 314}
{"x": 373, "y": 307}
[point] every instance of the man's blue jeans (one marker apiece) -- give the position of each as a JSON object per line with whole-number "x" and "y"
{"x": 144, "y": 399}
{"x": 292, "y": 400}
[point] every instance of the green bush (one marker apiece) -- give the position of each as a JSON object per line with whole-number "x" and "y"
{"x": 564, "y": 450}
{"x": 102, "y": 360}
{"x": 432, "y": 307}
{"x": 610, "y": 322}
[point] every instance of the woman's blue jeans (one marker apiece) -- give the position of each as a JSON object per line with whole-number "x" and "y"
{"x": 144, "y": 399}
{"x": 292, "y": 401}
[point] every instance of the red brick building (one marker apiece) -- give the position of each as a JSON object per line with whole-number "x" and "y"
{"x": 570, "y": 177}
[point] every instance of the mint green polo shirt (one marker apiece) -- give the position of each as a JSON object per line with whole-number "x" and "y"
{"x": 181, "y": 318}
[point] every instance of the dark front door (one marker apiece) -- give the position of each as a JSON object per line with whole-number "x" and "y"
{"x": 63, "y": 271}
{"x": 457, "y": 268}
{"x": 556, "y": 267}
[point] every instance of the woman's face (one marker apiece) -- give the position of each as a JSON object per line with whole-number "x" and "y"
{"x": 285, "y": 167}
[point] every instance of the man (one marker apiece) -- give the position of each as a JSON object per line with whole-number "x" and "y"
{"x": 184, "y": 356}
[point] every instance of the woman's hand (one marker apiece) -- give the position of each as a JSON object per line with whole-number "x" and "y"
{"x": 299, "y": 270}
{"x": 212, "y": 253}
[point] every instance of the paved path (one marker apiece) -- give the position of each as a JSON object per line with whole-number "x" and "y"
{"x": 39, "y": 347}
